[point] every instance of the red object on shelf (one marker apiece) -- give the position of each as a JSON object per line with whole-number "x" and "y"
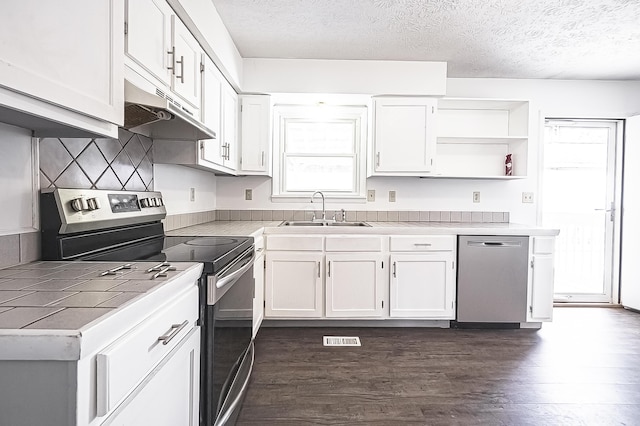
{"x": 508, "y": 166}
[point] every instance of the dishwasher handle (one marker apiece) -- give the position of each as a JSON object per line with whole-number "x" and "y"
{"x": 494, "y": 244}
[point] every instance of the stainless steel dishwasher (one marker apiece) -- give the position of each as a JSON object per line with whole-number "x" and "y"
{"x": 492, "y": 279}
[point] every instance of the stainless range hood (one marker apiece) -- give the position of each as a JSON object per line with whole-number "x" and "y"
{"x": 155, "y": 113}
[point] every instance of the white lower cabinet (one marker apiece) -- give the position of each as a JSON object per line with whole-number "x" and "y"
{"x": 293, "y": 284}
{"x": 422, "y": 286}
{"x": 540, "y": 289}
{"x": 354, "y": 285}
{"x": 169, "y": 394}
{"x": 423, "y": 275}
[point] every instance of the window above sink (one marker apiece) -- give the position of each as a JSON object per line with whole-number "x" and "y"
{"x": 320, "y": 147}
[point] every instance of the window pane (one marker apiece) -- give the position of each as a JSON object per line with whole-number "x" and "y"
{"x": 320, "y": 137}
{"x": 320, "y": 173}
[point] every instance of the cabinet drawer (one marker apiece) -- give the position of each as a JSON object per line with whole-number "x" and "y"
{"x": 124, "y": 363}
{"x": 543, "y": 245}
{"x": 353, "y": 243}
{"x": 294, "y": 242}
{"x": 422, "y": 243}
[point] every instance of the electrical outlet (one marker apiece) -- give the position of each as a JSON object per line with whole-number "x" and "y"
{"x": 476, "y": 196}
{"x": 371, "y": 195}
{"x": 392, "y": 196}
{"x": 248, "y": 194}
{"x": 192, "y": 194}
{"x": 527, "y": 197}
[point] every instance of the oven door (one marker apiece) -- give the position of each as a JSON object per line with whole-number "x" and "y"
{"x": 227, "y": 339}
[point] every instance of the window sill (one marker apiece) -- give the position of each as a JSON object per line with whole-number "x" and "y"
{"x": 328, "y": 197}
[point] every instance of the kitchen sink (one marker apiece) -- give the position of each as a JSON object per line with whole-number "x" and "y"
{"x": 301, "y": 223}
{"x": 320, "y": 223}
{"x": 347, "y": 224}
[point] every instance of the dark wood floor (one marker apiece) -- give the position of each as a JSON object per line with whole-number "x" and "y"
{"x": 582, "y": 369}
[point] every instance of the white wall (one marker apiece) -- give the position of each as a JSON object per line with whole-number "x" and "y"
{"x": 548, "y": 98}
{"x": 175, "y": 182}
{"x": 262, "y": 75}
{"x": 17, "y": 184}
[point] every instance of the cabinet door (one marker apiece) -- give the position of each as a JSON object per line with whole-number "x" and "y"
{"x": 541, "y": 279}
{"x": 354, "y": 285}
{"x": 229, "y": 127}
{"x": 148, "y": 39}
{"x": 211, "y": 109}
{"x": 255, "y": 134}
{"x": 258, "y": 297}
{"x": 293, "y": 285}
{"x": 186, "y": 66}
{"x": 404, "y": 137}
{"x": 169, "y": 395}
{"x": 66, "y": 53}
{"x": 422, "y": 286}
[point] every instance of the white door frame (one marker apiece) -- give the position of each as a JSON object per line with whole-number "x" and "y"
{"x": 612, "y": 268}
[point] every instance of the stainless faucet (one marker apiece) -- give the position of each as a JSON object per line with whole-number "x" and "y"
{"x": 323, "y": 210}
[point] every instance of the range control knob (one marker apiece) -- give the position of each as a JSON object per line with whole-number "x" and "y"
{"x": 144, "y": 202}
{"x": 159, "y": 202}
{"x": 79, "y": 204}
{"x": 93, "y": 203}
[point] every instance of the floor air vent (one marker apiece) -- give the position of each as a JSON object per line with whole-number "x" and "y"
{"x": 341, "y": 341}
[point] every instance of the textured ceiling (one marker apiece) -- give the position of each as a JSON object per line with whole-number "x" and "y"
{"x": 569, "y": 39}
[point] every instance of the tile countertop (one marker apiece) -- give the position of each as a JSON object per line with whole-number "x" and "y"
{"x": 256, "y": 228}
{"x": 48, "y": 308}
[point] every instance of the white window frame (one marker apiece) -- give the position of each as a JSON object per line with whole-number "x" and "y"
{"x": 355, "y": 113}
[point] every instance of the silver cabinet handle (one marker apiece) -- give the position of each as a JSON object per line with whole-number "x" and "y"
{"x": 262, "y": 158}
{"x": 378, "y": 159}
{"x": 394, "y": 269}
{"x": 173, "y": 332}
{"x": 329, "y": 268}
{"x": 422, "y": 244}
{"x": 181, "y": 62}
{"x": 318, "y": 269}
{"x": 172, "y": 52}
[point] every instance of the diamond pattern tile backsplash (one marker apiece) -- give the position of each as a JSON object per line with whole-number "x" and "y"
{"x": 125, "y": 163}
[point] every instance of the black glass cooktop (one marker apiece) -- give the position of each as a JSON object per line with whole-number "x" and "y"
{"x": 214, "y": 252}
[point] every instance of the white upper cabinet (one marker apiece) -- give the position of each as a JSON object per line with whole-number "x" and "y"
{"x": 211, "y": 95}
{"x": 404, "y": 136}
{"x": 161, "y": 49}
{"x": 186, "y": 57}
{"x": 64, "y": 54}
{"x": 229, "y": 131}
{"x": 255, "y": 135}
{"x": 476, "y": 135}
{"x": 148, "y": 40}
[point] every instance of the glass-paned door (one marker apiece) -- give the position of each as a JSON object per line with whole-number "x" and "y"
{"x": 579, "y": 198}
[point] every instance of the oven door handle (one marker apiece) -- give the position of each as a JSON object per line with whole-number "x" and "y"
{"x": 231, "y": 278}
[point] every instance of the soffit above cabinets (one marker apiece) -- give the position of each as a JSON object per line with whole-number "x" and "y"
{"x": 566, "y": 39}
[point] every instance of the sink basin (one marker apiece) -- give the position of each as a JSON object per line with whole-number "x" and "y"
{"x": 319, "y": 223}
{"x": 348, "y": 224}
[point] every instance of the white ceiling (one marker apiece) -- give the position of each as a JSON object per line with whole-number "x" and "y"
{"x": 564, "y": 39}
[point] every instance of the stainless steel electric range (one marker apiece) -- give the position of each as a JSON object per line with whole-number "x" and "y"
{"x": 125, "y": 226}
